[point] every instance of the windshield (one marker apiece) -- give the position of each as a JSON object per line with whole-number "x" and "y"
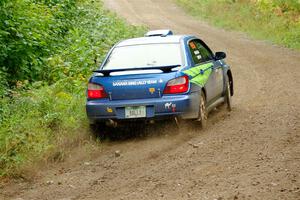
{"x": 146, "y": 55}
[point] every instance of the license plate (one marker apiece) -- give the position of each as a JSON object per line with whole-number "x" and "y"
{"x": 135, "y": 111}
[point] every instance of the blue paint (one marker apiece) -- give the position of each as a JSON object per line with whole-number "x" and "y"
{"x": 134, "y": 89}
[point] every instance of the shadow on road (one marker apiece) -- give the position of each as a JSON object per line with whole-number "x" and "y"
{"x": 140, "y": 130}
{"x": 137, "y": 130}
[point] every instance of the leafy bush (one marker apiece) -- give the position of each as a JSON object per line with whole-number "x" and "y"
{"x": 48, "y": 51}
{"x": 34, "y": 35}
{"x": 30, "y": 31}
{"x": 33, "y": 123}
{"x": 283, "y": 5}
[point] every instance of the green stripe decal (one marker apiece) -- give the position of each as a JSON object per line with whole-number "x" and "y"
{"x": 197, "y": 77}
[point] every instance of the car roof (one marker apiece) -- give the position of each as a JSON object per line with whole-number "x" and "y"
{"x": 151, "y": 40}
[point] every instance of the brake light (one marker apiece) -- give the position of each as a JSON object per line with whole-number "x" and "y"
{"x": 177, "y": 85}
{"x": 96, "y": 91}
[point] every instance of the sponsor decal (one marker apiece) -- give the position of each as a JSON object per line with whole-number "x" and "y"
{"x": 109, "y": 110}
{"x": 151, "y": 90}
{"x": 134, "y": 83}
{"x": 173, "y": 107}
{"x": 168, "y": 105}
{"x": 200, "y": 74}
{"x": 192, "y": 45}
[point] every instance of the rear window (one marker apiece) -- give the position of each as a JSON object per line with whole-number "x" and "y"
{"x": 146, "y": 55}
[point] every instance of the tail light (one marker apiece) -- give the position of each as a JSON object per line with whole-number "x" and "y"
{"x": 177, "y": 85}
{"x": 96, "y": 91}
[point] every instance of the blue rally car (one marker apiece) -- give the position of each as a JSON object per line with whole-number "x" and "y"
{"x": 158, "y": 76}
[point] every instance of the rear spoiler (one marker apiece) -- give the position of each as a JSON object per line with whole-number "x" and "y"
{"x": 165, "y": 69}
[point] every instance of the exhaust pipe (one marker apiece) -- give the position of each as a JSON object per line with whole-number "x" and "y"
{"x": 111, "y": 123}
{"x": 151, "y": 121}
{"x": 177, "y": 121}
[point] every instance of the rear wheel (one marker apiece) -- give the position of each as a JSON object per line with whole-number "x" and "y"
{"x": 228, "y": 100}
{"x": 202, "y": 118}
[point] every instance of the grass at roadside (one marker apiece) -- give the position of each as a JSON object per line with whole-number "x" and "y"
{"x": 274, "y": 20}
{"x": 40, "y": 120}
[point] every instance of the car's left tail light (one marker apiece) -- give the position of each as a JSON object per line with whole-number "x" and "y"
{"x": 96, "y": 91}
{"x": 177, "y": 85}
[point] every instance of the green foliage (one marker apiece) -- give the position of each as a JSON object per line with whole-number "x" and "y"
{"x": 275, "y": 20}
{"x": 32, "y": 123}
{"x": 48, "y": 49}
{"x": 34, "y": 35}
{"x": 30, "y": 32}
{"x": 283, "y": 5}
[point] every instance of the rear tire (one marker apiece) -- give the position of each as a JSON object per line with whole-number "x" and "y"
{"x": 228, "y": 100}
{"x": 202, "y": 118}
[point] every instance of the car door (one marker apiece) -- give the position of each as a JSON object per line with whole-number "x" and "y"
{"x": 217, "y": 72}
{"x": 203, "y": 56}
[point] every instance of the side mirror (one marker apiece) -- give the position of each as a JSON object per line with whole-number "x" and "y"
{"x": 220, "y": 55}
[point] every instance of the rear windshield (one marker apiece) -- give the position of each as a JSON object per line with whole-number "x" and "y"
{"x": 146, "y": 55}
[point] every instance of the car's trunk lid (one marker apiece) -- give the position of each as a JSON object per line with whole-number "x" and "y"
{"x": 134, "y": 85}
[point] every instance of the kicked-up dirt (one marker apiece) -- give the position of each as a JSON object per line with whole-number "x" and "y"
{"x": 251, "y": 153}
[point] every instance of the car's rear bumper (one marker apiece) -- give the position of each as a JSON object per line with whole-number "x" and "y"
{"x": 185, "y": 106}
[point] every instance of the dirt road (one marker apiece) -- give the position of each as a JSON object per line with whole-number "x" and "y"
{"x": 251, "y": 153}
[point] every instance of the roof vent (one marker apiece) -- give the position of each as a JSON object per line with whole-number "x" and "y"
{"x": 161, "y": 33}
